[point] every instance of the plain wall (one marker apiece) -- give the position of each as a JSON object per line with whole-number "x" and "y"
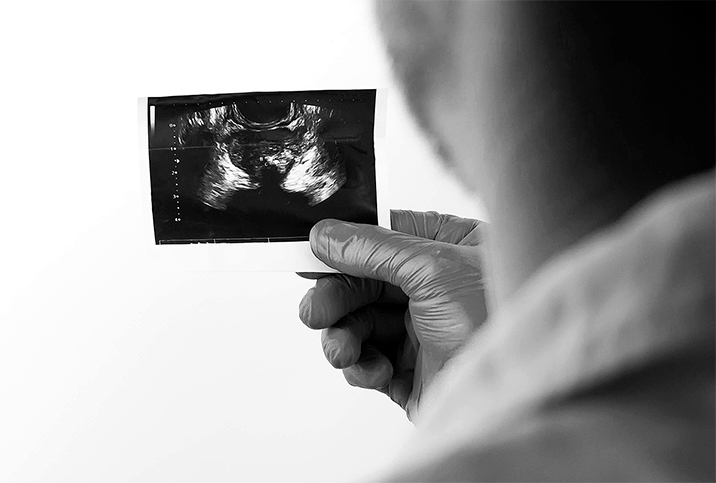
{"x": 115, "y": 369}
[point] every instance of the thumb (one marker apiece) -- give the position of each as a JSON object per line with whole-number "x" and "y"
{"x": 369, "y": 251}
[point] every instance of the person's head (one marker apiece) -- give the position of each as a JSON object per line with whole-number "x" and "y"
{"x": 630, "y": 86}
{"x": 557, "y": 110}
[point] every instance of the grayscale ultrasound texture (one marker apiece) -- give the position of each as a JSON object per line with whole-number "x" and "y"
{"x": 245, "y": 149}
{"x": 260, "y": 167}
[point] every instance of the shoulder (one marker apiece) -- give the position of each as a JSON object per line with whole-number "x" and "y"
{"x": 655, "y": 424}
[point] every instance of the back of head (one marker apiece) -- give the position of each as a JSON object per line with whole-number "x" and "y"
{"x": 635, "y": 80}
{"x": 640, "y": 82}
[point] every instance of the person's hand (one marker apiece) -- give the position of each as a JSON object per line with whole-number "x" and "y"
{"x": 405, "y": 303}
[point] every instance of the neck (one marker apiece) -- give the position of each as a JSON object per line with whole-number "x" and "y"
{"x": 539, "y": 213}
{"x": 547, "y": 186}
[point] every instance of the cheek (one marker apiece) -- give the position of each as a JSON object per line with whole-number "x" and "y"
{"x": 469, "y": 106}
{"x": 465, "y": 134}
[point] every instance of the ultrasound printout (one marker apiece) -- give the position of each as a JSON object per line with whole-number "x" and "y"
{"x": 260, "y": 167}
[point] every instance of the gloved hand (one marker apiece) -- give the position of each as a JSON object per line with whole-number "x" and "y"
{"x": 406, "y": 300}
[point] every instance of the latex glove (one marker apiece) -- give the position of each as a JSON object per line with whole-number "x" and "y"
{"x": 406, "y": 302}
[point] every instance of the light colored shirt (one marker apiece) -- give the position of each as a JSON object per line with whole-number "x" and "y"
{"x": 600, "y": 369}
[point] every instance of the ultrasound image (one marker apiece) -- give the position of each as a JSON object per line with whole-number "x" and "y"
{"x": 244, "y": 150}
{"x": 260, "y": 167}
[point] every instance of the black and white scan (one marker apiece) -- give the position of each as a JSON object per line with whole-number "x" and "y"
{"x": 260, "y": 167}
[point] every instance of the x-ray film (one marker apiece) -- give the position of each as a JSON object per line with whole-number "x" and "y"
{"x": 242, "y": 178}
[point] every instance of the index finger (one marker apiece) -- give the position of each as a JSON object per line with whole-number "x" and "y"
{"x": 368, "y": 251}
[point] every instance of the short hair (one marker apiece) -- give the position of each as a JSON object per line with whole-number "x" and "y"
{"x": 637, "y": 77}
{"x": 641, "y": 83}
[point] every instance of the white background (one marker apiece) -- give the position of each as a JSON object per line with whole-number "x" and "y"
{"x": 112, "y": 369}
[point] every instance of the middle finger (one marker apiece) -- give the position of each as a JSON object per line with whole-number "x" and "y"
{"x": 381, "y": 325}
{"x": 336, "y": 296}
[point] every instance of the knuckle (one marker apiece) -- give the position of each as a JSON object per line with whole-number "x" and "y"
{"x": 359, "y": 324}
